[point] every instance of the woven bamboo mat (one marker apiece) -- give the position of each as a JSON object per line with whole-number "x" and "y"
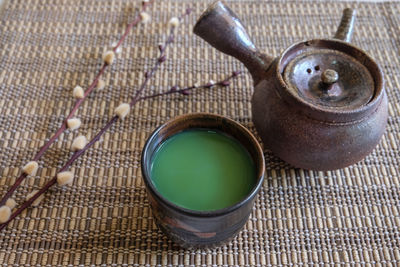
{"x": 349, "y": 216}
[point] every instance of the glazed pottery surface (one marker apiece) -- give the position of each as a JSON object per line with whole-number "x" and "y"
{"x": 194, "y": 228}
{"x": 320, "y": 105}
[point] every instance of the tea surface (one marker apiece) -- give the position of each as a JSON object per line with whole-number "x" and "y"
{"x": 202, "y": 170}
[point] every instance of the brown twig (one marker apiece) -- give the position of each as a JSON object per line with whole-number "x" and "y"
{"x": 186, "y": 90}
{"x": 78, "y": 103}
{"x": 114, "y": 119}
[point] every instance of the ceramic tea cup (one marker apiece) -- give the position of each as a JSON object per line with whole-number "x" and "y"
{"x": 193, "y": 228}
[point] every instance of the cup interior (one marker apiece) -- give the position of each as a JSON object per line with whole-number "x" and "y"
{"x": 206, "y": 121}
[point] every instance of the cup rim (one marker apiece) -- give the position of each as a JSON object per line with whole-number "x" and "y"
{"x": 259, "y": 162}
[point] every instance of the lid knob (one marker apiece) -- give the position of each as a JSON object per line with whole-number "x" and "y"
{"x": 329, "y": 76}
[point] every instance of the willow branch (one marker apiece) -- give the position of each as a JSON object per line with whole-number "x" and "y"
{"x": 78, "y": 103}
{"x": 187, "y": 90}
{"x": 148, "y": 75}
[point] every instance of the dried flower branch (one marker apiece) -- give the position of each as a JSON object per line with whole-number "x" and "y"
{"x": 30, "y": 168}
{"x": 65, "y": 177}
{"x": 174, "y": 22}
{"x": 5, "y": 213}
{"x": 109, "y": 57}
{"x": 122, "y": 110}
{"x": 11, "y": 203}
{"x": 145, "y": 17}
{"x": 78, "y": 92}
{"x": 79, "y": 143}
{"x": 80, "y": 95}
{"x": 37, "y": 200}
{"x": 100, "y": 85}
{"x": 187, "y": 90}
{"x": 74, "y": 123}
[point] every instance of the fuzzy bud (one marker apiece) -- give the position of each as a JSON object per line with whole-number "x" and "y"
{"x": 74, "y": 123}
{"x": 174, "y": 88}
{"x": 64, "y": 178}
{"x": 145, "y": 17}
{"x": 38, "y": 200}
{"x": 118, "y": 50}
{"x": 100, "y": 85}
{"x": 161, "y": 47}
{"x": 79, "y": 143}
{"x": 108, "y": 57}
{"x": 31, "y": 168}
{"x": 11, "y": 203}
{"x": 5, "y": 213}
{"x": 78, "y": 92}
{"x": 122, "y": 110}
{"x": 211, "y": 83}
{"x": 174, "y": 22}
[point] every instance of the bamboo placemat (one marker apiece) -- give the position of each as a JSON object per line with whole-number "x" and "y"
{"x": 349, "y": 216}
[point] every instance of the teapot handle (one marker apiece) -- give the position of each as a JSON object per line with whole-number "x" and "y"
{"x": 221, "y": 28}
{"x": 345, "y": 29}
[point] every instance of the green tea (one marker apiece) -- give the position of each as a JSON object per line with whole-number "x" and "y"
{"x": 202, "y": 170}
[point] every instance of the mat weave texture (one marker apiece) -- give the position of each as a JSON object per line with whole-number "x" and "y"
{"x": 349, "y": 216}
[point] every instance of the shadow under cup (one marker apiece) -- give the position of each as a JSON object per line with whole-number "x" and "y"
{"x": 193, "y": 228}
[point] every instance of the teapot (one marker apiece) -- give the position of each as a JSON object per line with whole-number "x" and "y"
{"x": 320, "y": 105}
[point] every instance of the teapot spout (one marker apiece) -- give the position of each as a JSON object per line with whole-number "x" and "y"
{"x": 346, "y": 26}
{"x": 221, "y": 28}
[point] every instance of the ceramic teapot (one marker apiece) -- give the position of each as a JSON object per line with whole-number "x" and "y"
{"x": 320, "y": 105}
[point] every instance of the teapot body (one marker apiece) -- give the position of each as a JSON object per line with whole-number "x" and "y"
{"x": 321, "y": 105}
{"x": 312, "y": 143}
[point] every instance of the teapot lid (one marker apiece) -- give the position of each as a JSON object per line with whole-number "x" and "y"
{"x": 329, "y": 78}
